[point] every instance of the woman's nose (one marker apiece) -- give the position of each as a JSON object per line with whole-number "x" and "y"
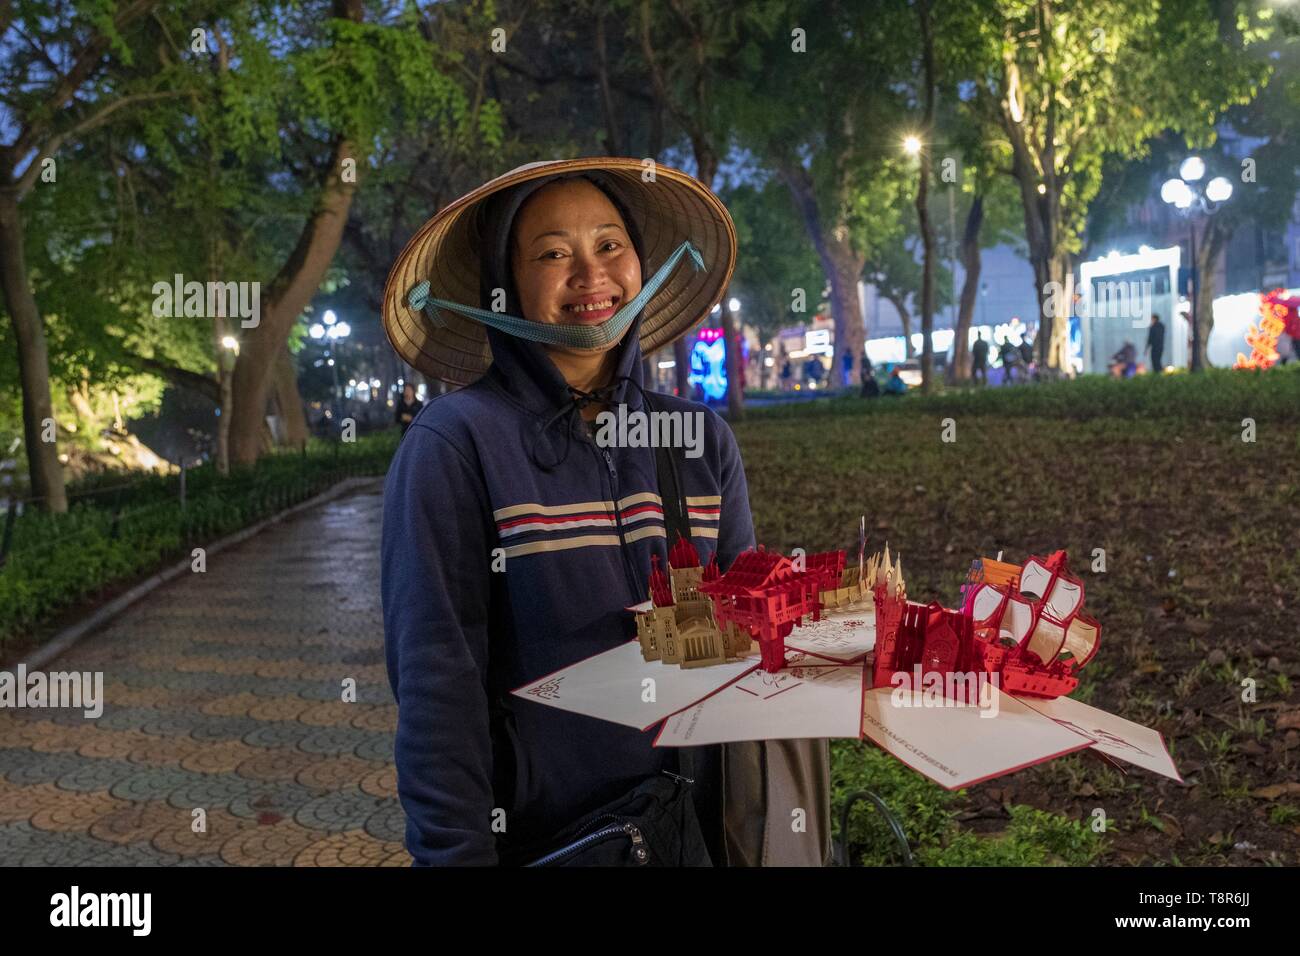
{"x": 587, "y": 269}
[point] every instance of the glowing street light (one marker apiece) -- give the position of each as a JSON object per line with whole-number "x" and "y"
{"x": 316, "y": 330}
{"x": 912, "y": 145}
{"x": 1192, "y": 169}
{"x": 1175, "y": 191}
{"x": 329, "y": 317}
{"x": 1218, "y": 189}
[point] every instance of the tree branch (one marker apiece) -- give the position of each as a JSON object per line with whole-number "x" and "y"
{"x": 98, "y": 118}
{"x": 182, "y": 377}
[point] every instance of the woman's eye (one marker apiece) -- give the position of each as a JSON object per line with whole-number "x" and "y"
{"x": 613, "y": 242}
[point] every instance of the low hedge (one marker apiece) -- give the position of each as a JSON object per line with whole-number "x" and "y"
{"x": 113, "y": 534}
{"x": 1215, "y": 394}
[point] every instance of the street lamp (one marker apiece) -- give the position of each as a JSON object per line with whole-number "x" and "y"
{"x": 1192, "y": 200}
{"x": 336, "y": 332}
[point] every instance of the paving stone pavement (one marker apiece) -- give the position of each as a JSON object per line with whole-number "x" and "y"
{"x": 223, "y": 692}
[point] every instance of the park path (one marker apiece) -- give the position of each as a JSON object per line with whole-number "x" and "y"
{"x": 223, "y": 691}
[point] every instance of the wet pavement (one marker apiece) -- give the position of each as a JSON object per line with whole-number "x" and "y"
{"x": 225, "y": 738}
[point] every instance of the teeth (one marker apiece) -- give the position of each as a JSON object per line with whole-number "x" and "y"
{"x": 593, "y": 307}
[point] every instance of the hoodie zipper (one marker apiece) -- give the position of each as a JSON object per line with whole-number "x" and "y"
{"x": 618, "y": 519}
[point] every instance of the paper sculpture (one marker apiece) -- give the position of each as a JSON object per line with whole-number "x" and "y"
{"x": 960, "y": 695}
{"x": 677, "y": 625}
{"x": 696, "y": 617}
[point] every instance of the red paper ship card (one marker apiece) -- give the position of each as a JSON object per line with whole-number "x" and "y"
{"x": 1024, "y": 626}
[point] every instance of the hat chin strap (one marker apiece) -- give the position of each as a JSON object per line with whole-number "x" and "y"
{"x": 597, "y": 336}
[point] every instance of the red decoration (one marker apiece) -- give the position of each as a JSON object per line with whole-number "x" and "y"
{"x": 764, "y": 593}
{"x": 1278, "y": 314}
{"x": 1030, "y": 630}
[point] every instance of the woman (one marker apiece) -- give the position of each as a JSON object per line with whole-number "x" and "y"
{"x": 512, "y": 543}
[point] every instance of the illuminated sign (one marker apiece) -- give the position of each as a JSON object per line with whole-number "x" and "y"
{"x": 709, "y": 365}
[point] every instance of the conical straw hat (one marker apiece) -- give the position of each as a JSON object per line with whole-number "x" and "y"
{"x": 668, "y": 209}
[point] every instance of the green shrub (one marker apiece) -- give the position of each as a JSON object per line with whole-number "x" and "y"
{"x": 111, "y": 534}
{"x": 925, "y": 811}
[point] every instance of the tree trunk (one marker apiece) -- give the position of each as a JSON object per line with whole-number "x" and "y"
{"x": 1208, "y": 251}
{"x": 970, "y": 261}
{"x": 843, "y": 267}
{"x": 927, "y": 272}
{"x": 292, "y": 417}
{"x": 33, "y": 361}
{"x": 290, "y": 292}
{"x": 923, "y": 202}
{"x": 735, "y": 370}
{"x": 1040, "y": 197}
{"x": 905, "y": 319}
{"x": 1055, "y": 285}
{"x": 613, "y": 141}
{"x": 682, "y": 367}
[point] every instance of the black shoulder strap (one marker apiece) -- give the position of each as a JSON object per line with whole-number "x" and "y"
{"x": 676, "y": 522}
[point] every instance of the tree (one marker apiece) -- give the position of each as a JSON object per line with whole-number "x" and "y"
{"x": 69, "y": 69}
{"x": 1265, "y": 181}
{"x": 686, "y": 87}
{"x": 1063, "y": 83}
{"x": 777, "y": 278}
{"x": 928, "y": 83}
{"x": 819, "y": 95}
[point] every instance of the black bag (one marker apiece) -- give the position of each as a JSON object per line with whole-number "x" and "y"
{"x": 653, "y": 825}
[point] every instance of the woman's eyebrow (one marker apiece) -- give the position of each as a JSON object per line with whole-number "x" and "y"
{"x": 566, "y": 235}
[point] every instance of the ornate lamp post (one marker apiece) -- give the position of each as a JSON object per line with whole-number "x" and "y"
{"x": 1193, "y": 201}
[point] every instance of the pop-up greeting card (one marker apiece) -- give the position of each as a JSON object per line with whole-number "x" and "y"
{"x": 804, "y": 646}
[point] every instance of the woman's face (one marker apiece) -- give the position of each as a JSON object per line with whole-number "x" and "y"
{"x": 573, "y": 261}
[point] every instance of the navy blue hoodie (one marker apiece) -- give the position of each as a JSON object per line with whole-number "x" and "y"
{"x": 477, "y": 471}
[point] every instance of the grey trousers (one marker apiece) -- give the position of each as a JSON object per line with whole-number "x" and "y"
{"x": 776, "y": 798}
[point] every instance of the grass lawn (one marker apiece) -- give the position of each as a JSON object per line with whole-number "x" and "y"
{"x": 1199, "y": 531}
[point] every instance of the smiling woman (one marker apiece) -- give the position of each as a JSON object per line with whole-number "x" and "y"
{"x": 514, "y": 539}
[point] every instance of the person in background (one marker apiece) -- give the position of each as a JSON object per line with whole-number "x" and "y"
{"x": 407, "y": 407}
{"x": 1124, "y": 362}
{"x": 1026, "y": 355}
{"x": 787, "y": 373}
{"x": 1007, "y": 352}
{"x": 895, "y": 385}
{"x": 1156, "y": 343}
{"x": 846, "y": 364}
{"x": 812, "y": 371}
{"x": 979, "y": 360}
{"x": 870, "y": 387}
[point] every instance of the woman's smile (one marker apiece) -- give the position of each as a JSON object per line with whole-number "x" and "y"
{"x": 592, "y": 309}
